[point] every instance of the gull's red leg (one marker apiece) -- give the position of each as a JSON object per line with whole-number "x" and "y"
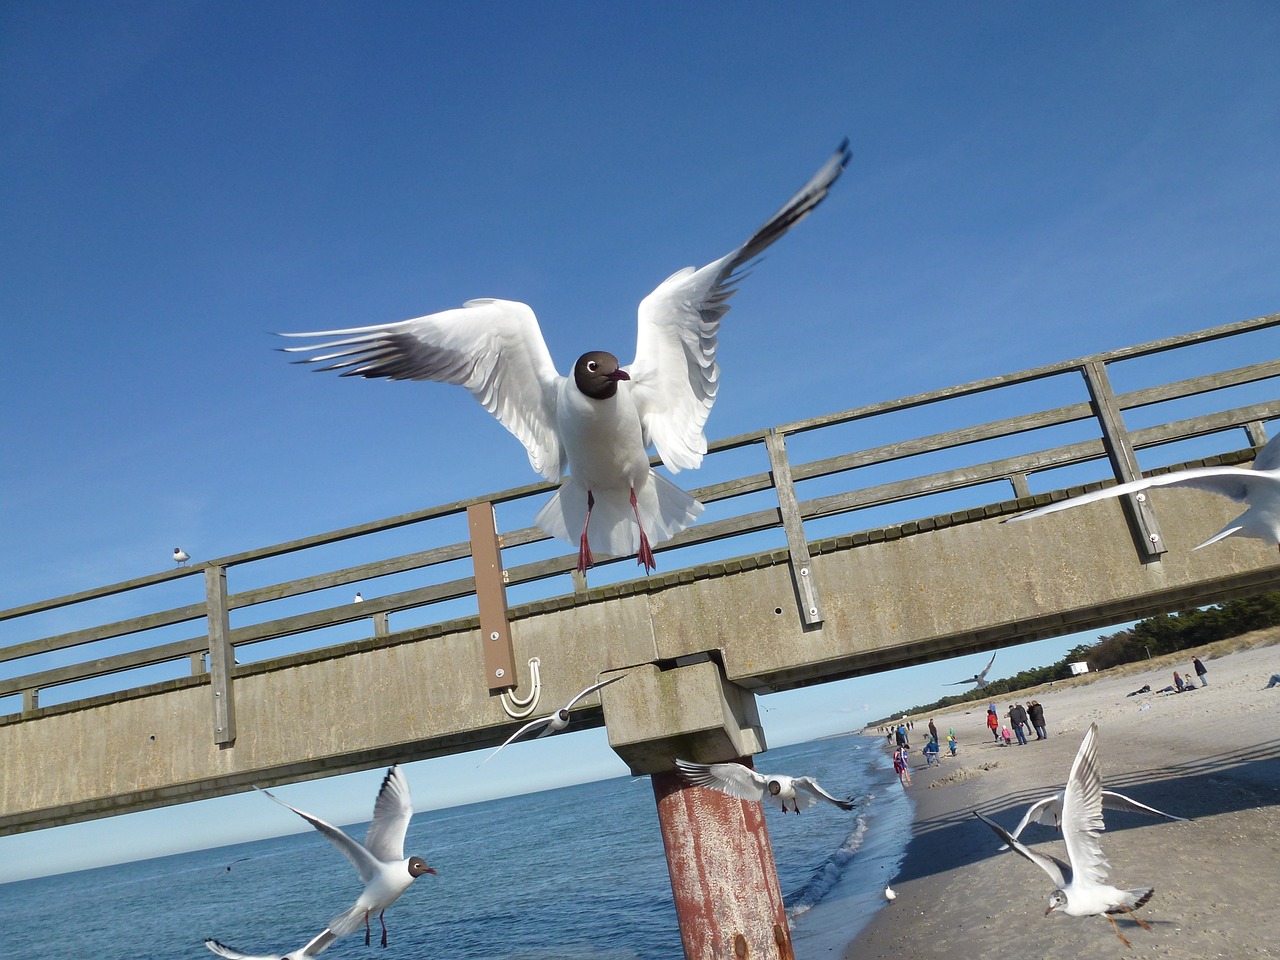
{"x": 384, "y": 927}
{"x": 1117, "y": 930}
{"x": 645, "y": 556}
{"x": 585, "y": 559}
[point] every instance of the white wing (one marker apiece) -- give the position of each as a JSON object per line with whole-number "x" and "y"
{"x": 809, "y": 788}
{"x": 1082, "y": 812}
{"x": 231, "y": 953}
{"x": 1268, "y": 457}
{"x": 1050, "y": 805}
{"x": 1231, "y": 482}
{"x": 494, "y": 348}
{"x": 1118, "y": 801}
{"x": 360, "y": 858}
{"x": 731, "y": 778}
{"x": 675, "y": 376}
{"x": 1059, "y": 872}
{"x": 391, "y": 813}
{"x": 517, "y": 735}
{"x": 988, "y": 666}
{"x": 592, "y": 689}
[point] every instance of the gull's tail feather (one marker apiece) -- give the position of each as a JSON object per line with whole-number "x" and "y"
{"x": 348, "y": 922}
{"x": 1133, "y": 899}
{"x": 664, "y": 510}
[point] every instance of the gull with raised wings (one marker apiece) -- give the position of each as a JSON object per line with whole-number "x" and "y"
{"x": 380, "y": 860}
{"x": 554, "y": 722}
{"x": 1049, "y": 811}
{"x": 979, "y": 678}
{"x": 596, "y": 425}
{"x": 1257, "y": 485}
{"x": 746, "y": 784}
{"x": 1081, "y": 887}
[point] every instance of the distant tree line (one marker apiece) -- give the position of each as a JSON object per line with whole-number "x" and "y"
{"x": 1166, "y": 633}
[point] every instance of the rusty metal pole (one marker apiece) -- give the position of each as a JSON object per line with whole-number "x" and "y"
{"x": 728, "y": 901}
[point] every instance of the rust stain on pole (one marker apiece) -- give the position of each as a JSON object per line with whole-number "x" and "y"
{"x": 723, "y": 876}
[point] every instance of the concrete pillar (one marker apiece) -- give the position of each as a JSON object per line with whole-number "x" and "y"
{"x": 725, "y": 883}
{"x": 718, "y": 853}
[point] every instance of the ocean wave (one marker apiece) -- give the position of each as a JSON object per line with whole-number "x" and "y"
{"x": 827, "y": 874}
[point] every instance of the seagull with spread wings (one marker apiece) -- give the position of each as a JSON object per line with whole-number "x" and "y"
{"x": 1081, "y": 888}
{"x": 596, "y": 425}
{"x": 317, "y": 945}
{"x": 553, "y": 722}
{"x": 744, "y": 783}
{"x": 979, "y": 678}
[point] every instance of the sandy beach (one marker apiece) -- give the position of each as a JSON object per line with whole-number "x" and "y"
{"x": 1212, "y": 754}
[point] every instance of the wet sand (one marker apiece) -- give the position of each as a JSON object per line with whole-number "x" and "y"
{"x": 1212, "y": 754}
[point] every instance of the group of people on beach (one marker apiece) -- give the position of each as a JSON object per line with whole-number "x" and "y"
{"x": 932, "y": 751}
{"x": 1022, "y": 718}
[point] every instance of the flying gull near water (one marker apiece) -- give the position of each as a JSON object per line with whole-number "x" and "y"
{"x": 590, "y": 430}
{"x": 317, "y": 945}
{"x": 1049, "y": 811}
{"x": 1082, "y": 890}
{"x": 380, "y": 860}
{"x": 979, "y": 678}
{"x": 746, "y": 784}
{"x": 554, "y": 722}
{"x": 1257, "y": 485}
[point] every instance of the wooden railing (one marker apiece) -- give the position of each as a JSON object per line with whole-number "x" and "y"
{"x": 810, "y": 484}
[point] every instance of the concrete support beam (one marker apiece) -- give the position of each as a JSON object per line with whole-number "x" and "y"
{"x": 687, "y": 711}
{"x": 727, "y": 897}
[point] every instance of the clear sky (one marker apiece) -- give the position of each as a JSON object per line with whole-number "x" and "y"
{"x": 1030, "y": 183}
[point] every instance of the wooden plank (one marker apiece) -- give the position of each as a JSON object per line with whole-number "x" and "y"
{"x": 797, "y": 546}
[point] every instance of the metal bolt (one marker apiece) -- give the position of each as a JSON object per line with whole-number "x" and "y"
{"x": 813, "y": 611}
{"x": 494, "y": 635}
{"x": 499, "y": 673}
{"x": 1142, "y": 498}
{"x": 217, "y": 693}
{"x": 1155, "y": 538}
{"x": 804, "y": 571}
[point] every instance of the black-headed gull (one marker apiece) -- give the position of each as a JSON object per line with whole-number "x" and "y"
{"x": 317, "y": 945}
{"x": 1082, "y": 890}
{"x": 180, "y": 556}
{"x": 979, "y": 678}
{"x": 596, "y": 425}
{"x": 1257, "y": 485}
{"x": 380, "y": 860}
{"x": 554, "y": 722}
{"x": 1049, "y": 810}
{"x": 746, "y": 784}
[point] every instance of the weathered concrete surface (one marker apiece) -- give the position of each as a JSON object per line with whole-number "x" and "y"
{"x": 901, "y": 597}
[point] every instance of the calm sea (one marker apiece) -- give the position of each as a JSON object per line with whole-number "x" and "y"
{"x": 568, "y": 874}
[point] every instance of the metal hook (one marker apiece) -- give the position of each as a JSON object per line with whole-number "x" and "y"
{"x": 530, "y": 703}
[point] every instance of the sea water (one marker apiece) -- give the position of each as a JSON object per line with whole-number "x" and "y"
{"x": 576, "y": 873}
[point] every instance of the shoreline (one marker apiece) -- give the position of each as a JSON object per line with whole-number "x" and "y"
{"x": 1212, "y": 754}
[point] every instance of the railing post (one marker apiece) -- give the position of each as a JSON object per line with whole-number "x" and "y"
{"x": 30, "y": 700}
{"x": 491, "y": 597}
{"x": 793, "y": 524}
{"x": 1124, "y": 462}
{"x": 221, "y": 655}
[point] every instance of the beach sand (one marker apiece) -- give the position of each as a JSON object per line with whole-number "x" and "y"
{"x": 1212, "y": 754}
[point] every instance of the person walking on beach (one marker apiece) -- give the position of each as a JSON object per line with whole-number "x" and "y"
{"x": 951, "y": 741}
{"x": 903, "y": 741}
{"x": 1018, "y": 717}
{"x": 933, "y": 731}
{"x": 993, "y": 722}
{"x": 901, "y": 768}
{"x": 1200, "y": 672}
{"x": 1036, "y": 712}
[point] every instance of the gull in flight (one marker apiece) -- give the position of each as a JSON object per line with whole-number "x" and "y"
{"x": 180, "y": 556}
{"x": 596, "y": 425}
{"x": 979, "y": 678}
{"x": 1049, "y": 811}
{"x": 1257, "y": 485}
{"x": 746, "y": 784}
{"x": 380, "y": 860}
{"x": 1081, "y": 887}
{"x": 555, "y": 722}
{"x": 318, "y": 944}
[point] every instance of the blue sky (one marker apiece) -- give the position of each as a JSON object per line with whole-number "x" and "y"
{"x": 1030, "y": 183}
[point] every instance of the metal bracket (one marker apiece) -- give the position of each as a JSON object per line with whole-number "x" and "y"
{"x": 1124, "y": 460}
{"x": 221, "y": 655}
{"x": 491, "y": 595}
{"x": 793, "y": 524}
